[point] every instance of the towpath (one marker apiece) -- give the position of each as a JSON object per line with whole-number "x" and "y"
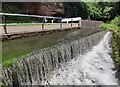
{"x": 22, "y": 29}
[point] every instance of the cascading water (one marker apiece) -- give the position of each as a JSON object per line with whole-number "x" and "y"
{"x": 69, "y": 63}
{"x": 93, "y": 68}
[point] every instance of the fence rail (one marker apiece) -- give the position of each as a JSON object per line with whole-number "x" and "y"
{"x": 4, "y": 15}
{"x": 25, "y": 15}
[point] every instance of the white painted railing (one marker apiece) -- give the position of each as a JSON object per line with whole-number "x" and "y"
{"x": 25, "y": 15}
{"x": 37, "y": 16}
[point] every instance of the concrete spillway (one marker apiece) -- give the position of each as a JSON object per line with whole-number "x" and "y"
{"x": 80, "y": 61}
{"x": 92, "y": 68}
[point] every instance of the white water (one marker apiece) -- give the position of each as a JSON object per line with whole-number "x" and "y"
{"x": 93, "y": 68}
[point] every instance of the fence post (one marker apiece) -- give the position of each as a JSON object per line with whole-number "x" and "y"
{"x": 43, "y": 23}
{"x": 4, "y": 24}
{"x": 52, "y": 20}
{"x": 71, "y": 23}
{"x": 60, "y": 23}
{"x": 79, "y": 24}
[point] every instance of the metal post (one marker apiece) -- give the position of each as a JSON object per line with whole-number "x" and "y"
{"x": 61, "y": 23}
{"x": 4, "y": 24}
{"x": 71, "y": 23}
{"x": 79, "y": 23}
{"x": 52, "y": 21}
{"x": 43, "y": 24}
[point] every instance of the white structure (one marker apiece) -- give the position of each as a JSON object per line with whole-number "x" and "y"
{"x": 52, "y": 21}
{"x": 67, "y": 20}
{"x": 25, "y": 15}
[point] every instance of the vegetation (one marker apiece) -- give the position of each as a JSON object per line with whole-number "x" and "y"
{"x": 114, "y": 25}
{"x": 10, "y": 7}
{"x": 19, "y": 19}
{"x": 2, "y": 85}
{"x": 74, "y": 9}
{"x": 104, "y": 11}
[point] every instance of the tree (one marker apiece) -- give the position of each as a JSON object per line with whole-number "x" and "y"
{"x": 104, "y": 11}
{"x": 12, "y": 7}
{"x": 75, "y": 9}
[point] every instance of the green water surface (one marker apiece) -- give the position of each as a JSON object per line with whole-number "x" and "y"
{"x": 13, "y": 49}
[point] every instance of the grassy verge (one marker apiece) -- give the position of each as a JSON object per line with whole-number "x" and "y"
{"x": 114, "y": 25}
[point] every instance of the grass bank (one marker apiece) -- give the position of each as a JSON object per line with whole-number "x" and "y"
{"x": 114, "y": 25}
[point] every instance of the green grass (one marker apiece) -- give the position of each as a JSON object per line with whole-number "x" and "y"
{"x": 10, "y": 58}
{"x": 116, "y": 21}
{"x": 113, "y": 27}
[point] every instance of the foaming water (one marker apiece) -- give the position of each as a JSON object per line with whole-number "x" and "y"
{"x": 93, "y": 68}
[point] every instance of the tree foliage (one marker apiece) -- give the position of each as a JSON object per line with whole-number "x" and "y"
{"x": 10, "y": 7}
{"x": 102, "y": 10}
{"x": 75, "y": 9}
{"x": 93, "y": 10}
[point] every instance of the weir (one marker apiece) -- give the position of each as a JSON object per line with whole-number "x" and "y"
{"x": 39, "y": 66}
